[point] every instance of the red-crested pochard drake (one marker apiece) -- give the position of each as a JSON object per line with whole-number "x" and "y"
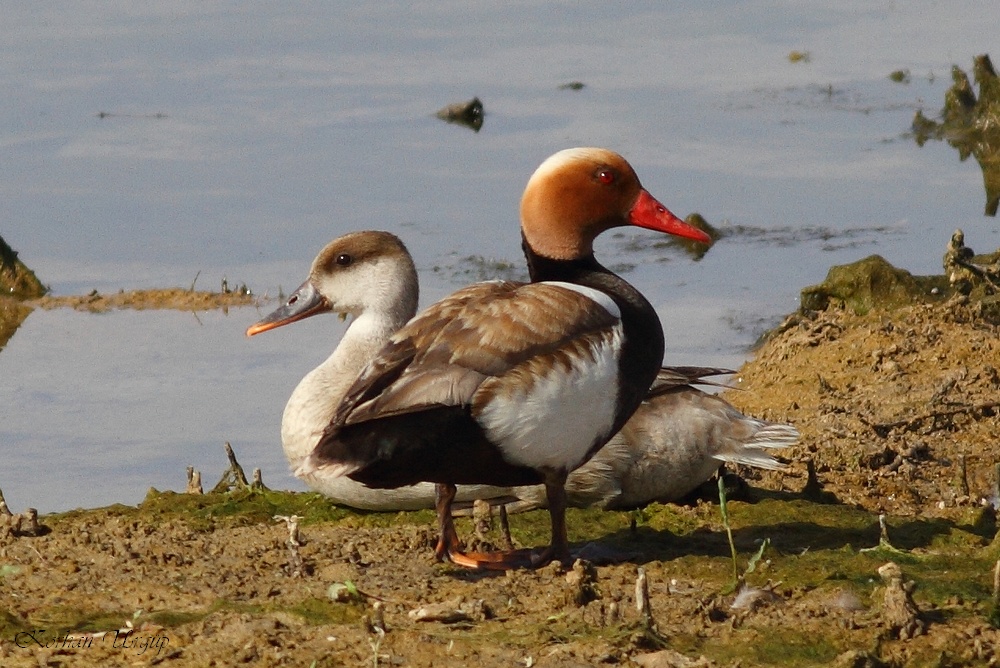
{"x": 511, "y": 384}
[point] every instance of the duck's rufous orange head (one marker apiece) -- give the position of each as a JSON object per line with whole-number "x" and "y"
{"x": 578, "y": 193}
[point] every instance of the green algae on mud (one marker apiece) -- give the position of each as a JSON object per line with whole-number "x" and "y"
{"x": 312, "y": 611}
{"x": 237, "y": 508}
{"x": 812, "y": 544}
{"x": 873, "y": 283}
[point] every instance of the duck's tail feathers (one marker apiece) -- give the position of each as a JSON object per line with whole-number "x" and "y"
{"x": 755, "y": 452}
{"x": 670, "y": 378}
{"x": 313, "y": 465}
{"x": 774, "y": 435}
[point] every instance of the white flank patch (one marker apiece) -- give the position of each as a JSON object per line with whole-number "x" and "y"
{"x": 590, "y": 293}
{"x": 554, "y": 423}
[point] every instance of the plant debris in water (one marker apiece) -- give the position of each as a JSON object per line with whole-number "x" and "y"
{"x": 470, "y": 114}
{"x": 829, "y": 238}
{"x": 474, "y": 268}
{"x": 900, "y": 76}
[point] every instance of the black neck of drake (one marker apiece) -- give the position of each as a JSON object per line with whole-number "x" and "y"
{"x": 642, "y": 353}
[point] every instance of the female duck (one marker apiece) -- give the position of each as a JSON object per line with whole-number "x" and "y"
{"x": 369, "y": 276}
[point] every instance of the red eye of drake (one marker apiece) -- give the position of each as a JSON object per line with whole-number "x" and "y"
{"x": 605, "y": 176}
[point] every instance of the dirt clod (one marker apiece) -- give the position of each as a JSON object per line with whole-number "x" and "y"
{"x": 900, "y": 614}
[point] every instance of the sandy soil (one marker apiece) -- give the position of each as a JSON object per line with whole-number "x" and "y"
{"x": 899, "y": 416}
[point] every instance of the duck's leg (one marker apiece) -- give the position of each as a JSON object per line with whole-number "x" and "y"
{"x": 449, "y": 548}
{"x": 555, "y": 493}
{"x": 444, "y": 494}
{"x": 558, "y": 549}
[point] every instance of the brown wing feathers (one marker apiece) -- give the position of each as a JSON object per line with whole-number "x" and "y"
{"x": 491, "y": 329}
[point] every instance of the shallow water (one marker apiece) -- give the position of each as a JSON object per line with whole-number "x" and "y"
{"x": 238, "y": 138}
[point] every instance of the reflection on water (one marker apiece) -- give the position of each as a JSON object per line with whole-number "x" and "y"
{"x": 12, "y": 314}
{"x": 17, "y": 282}
{"x": 970, "y": 124}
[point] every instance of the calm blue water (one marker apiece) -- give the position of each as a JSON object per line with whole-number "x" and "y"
{"x": 238, "y": 138}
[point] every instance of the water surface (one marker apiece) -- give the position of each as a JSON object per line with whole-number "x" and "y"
{"x": 143, "y": 146}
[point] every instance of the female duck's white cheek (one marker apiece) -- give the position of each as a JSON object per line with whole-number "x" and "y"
{"x": 553, "y": 420}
